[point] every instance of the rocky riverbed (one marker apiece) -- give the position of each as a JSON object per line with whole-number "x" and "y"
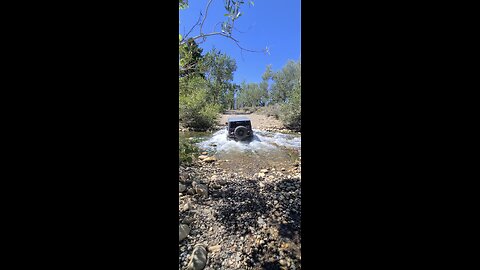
{"x": 239, "y": 219}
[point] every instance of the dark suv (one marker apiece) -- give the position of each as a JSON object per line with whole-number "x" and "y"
{"x": 239, "y": 129}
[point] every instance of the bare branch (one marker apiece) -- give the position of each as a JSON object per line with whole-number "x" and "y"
{"x": 224, "y": 35}
{"x": 198, "y": 21}
{"x": 205, "y": 17}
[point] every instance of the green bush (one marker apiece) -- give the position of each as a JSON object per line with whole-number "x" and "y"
{"x": 195, "y": 111}
{"x": 187, "y": 151}
{"x": 291, "y": 115}
{"x": 271, "y": 110}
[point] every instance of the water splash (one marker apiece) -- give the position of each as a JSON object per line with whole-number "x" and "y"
{"x": 262, "y": 142}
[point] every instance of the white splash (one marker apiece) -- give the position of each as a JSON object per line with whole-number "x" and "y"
{"x": 262, "y": 142}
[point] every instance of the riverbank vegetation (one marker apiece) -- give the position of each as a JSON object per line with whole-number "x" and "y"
{"x": 206, "y": 86}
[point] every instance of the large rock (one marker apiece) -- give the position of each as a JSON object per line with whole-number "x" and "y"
{"x": 183, "y": 231}
{"x": 210, "y": 159}
{"x": 181, "y": 188}
{"x": 198, "y": 260}
{"x": 200, "y": 189}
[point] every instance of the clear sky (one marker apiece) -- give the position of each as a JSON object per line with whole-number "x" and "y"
{"x": 269, "y": 23}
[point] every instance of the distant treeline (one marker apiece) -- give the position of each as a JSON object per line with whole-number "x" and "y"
{"x": 206, "y": 89}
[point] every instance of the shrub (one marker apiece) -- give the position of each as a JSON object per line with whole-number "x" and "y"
{"x": 194, "y": 109}
{"x": 187, "y": 151}
{"x": 291, "y": 115}
{"x": 271, "y": 110}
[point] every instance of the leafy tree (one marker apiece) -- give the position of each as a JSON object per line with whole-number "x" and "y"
{"x": 195, "y": 111}
{"x": 219, "y": 69}
{"x": 284, "y": 81}
{"x": 233, "y": 9}
{"x": 291, "y": 115}
{"x": 250, "y": 95}
{"x": 190, "y": 59}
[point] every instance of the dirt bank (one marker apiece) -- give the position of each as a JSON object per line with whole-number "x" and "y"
{"x": 259, "y": 121}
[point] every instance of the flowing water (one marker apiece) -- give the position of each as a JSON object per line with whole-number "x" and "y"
{"x": 266, "y": 150}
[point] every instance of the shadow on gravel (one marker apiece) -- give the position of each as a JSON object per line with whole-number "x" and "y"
{"x": 271, "y": 266}
{"x": 241, "y": 206}
{"x": 292, "y": 228}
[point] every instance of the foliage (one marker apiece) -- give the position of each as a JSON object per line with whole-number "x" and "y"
{"x": 194, "y": 109}
{"x": 251, "y": 95}
{"x": 284, "y": 81}
{"x": 271, "y": 110}
{"x": 187, "y": 150}
{"x": 190, "y": 61}
{"x": 219, "y": 69}
{"x": 233, "y": 9}
{"x": 291, "y": 111}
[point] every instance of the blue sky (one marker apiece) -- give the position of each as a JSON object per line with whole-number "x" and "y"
{"x": 269, "y": 23}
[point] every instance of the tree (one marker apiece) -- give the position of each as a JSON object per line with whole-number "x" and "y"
{"x": 265, "y": 83}
{"x": 233, "y": 8}
{"x": 190, "y": 59}
{"x": 284, "y": 81}
{"x": 250, "y": 95}
{"x": 219, "y": 69}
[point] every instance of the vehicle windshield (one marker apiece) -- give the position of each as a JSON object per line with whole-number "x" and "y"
{"x": 246, "y": 124}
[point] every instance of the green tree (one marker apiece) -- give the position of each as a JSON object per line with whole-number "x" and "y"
{"x": 190, "y": 59}
{"x": 233, "y": 13}
{"x": 219, "y": 69}
{"x": 195, "y": 110}
{"x": 250, "y": 95}
{"x": 284, "y": 81}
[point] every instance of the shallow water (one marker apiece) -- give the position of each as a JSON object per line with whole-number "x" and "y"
{"x": 267, "y": 149}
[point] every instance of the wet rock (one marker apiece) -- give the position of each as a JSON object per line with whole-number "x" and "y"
{"x": 183, "y": 231}
{"x": 181, "y": 188}
{"x": 198, "y": 260}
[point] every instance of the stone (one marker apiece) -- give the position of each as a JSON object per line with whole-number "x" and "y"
{"x": 183, "y": 231}
{"x": 264, "y": 170}
{"x": 181, "y": 188}
{"x": 261, "y": 175}
{"x": 188, "y": 220}
{"x": 204, "y": 153}
{"x": 200, "y": 189}
{"x": 282, "y": 169}
{"x": 198, "y": 260}
{"x": 215, "y": 248}
{"x": 210, "y": 159}
{"x": 202, "y": 157}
